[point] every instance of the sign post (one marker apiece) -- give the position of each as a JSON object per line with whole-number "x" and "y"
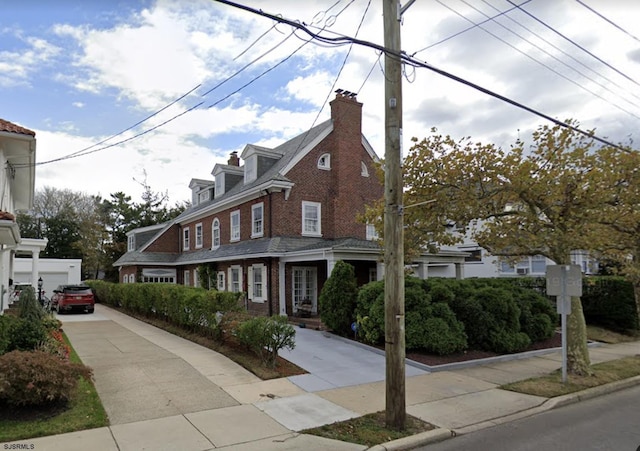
{"x": 564, "y": 281}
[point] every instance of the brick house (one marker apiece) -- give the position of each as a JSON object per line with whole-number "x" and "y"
{"x": 275, "y": 226}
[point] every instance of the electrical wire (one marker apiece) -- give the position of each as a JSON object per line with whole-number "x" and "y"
{"x": 575, "y": 43}
{"x": 528, "y": 55}
{"x": 469, "y": 28}
{"x": 607, "y": 20}
{"x": 403, "y": 57}
{"x": 566, "y": 54}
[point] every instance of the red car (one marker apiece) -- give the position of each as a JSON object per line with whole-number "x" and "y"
{"x": 73, "y": 297}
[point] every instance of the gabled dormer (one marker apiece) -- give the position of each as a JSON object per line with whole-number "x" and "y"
{"x": 201, "y": 191}
{"x": 227, "y": 175}
{"x": 257, "y": 161}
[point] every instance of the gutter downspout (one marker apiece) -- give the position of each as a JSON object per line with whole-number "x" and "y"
{"x": 270, "y": 260}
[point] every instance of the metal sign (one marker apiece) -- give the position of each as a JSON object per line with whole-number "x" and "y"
{"x": 564, "y": 280}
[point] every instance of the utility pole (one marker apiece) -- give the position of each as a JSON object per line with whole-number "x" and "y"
{"x": 395, "y": 414}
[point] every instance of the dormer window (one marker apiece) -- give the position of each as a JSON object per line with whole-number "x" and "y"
{"x": 203, "y": 196}
{"x": 131, "y": 243}
{"x": 324, "y": 162}
{"x": 219, "y": 185}
{"x": 363, "y": 169}
{"x": 250, "y": 170}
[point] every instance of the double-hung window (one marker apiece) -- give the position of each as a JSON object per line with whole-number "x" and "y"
{"x": 131, "y": 243}
{"x": 185, "y": 238}
{"x": 235, "y": 279}
{"x": 215, "y": 234}
{"x": 257, "y": 220}
{"x": 198, "y": 236}
{"x": 235, "y": 225}
{"x": 257, "y": 281}
{"x": 311, "y": 219}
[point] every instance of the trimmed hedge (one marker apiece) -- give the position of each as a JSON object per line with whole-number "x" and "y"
{"x": 338, "y": 298}
{"x": 607, "y": 301}
{"x": 431, "y": 326}
{"x": 445, "y": 316}
{"x": 191, "y": 308}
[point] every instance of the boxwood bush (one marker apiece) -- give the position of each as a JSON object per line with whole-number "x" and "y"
{"x": 429, "y": 326}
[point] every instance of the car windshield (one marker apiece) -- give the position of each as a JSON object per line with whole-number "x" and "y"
{"x": 77, "y": 290}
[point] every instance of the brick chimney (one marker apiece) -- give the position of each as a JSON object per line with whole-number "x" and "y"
{"x": 346, "y": 112}
{"x": 233, "y": 159}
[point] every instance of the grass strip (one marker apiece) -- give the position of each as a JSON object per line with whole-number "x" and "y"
{"x": 603, "y": 373}
{"x": 369, "y": 430}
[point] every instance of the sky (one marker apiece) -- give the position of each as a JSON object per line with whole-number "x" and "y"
{"x": 125, "y": 92}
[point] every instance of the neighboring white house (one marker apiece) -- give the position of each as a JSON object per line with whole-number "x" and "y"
{"x": 28, "y": 267}
{"x": 17, "y": 184}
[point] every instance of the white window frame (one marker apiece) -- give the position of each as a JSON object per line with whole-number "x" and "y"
{"x": 196, "y": 278}
{"x": 308, "y": 289}
{"x": 318, "y": 207}
{"x": 186, "y": 281}
{"x": 203, "y": 196}
{"x": 220, "y": 281}
{"x": 185, "y": 239}
{"x": 324, "y": 162}
{"x": 215, "y": 233}
{"x": 131, "y": 243}
{"x": 371, "y": 232}
{"x": 199, "y": 238}
{"x": 219, "y": 185}
{"x": 257, "y": 280}
{"x": 364, "y": 171}
{"x": 250, "y": 169}
{"x": 234, "y": 229}
{"x": 231, "y": 285}
{"x": 257, "y": 225}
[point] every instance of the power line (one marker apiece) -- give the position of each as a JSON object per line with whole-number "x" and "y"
{"x": 607, "y": 20}
{"x": 469, "y": 28}
{"x": 417, "y": 63}
{"x": 575, "y": 43}
{"x": 568, "y": 55}
{"x": 540, "y": 62}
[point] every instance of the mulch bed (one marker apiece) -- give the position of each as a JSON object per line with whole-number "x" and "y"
{"x": 434, "y": 359}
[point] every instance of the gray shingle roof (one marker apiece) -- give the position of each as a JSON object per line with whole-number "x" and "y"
{"x": 275, "y": 247}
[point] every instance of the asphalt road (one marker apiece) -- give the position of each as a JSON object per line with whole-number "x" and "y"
{"x": 610, "y": 422}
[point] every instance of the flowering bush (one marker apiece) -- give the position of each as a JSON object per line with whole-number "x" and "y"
{"x": 54, "y": 344}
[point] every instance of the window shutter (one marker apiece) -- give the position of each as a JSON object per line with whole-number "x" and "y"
{"x": 250, "y": 282}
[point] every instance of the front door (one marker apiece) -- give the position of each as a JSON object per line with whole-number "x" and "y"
{"x": 305, "y": 287}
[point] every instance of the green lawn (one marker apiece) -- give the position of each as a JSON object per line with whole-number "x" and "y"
{"x": 84, "y": 411}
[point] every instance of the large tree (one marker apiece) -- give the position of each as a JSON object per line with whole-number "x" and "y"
{"x": 542, "y": 199}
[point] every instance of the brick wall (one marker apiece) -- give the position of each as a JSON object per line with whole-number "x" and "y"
{"x": 168, "y": 242}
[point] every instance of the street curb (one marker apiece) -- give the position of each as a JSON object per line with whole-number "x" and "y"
{"x": 553, "y": 403}
{"x": 413, "y": 441}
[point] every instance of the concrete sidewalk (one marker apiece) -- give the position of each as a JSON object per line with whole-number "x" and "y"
{"x": 163, "y": 392}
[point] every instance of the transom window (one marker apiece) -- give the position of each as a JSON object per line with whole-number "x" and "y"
{"x": 215, "y": 234}
{"x": 257, "y": 222}
{"x": 198, "y": 236}
{"x": 235, "y": 225}
{"x": 311, "y": 218}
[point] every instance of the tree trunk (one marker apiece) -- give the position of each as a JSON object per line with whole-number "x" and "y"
{"x": 578, "y": 362}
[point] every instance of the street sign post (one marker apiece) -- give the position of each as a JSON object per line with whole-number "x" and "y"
{"x": 564, "y": 281}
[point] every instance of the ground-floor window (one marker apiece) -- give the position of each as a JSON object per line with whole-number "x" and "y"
{"x": 305, "y": 285}
{"x": 159, "y": 279}
{"x": 187, "y": 278}
{"x": 257, "y": 279}
{"x": 220, "y": 281}
{"x": 235, "y": 279}
{"x": 158, "y": 275}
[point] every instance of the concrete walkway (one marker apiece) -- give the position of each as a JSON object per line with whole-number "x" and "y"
{"x": 163, "y": 392}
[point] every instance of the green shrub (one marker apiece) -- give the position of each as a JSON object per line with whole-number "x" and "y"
{"x": 609, "y": 302}
{"x": 26, "y": 334}
{"x": 338, "y": 298}
{"x": 5, "y": 332}
{"x": 265, "y": 336}
{"x": 431, "y": 326}
{"x": 34, "y": 378}
{"x": 30, "y": 308}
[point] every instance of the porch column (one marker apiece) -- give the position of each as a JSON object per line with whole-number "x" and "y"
{"x": 282, "y": 288}
{"x": 380, "y": 270}
{"x": 423, "y": 270}
{"x": 6, "y": 270}
{"x": 330, "y": 264}
{"x": 459, "y": 270}
{"x": 35, "y": 269}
